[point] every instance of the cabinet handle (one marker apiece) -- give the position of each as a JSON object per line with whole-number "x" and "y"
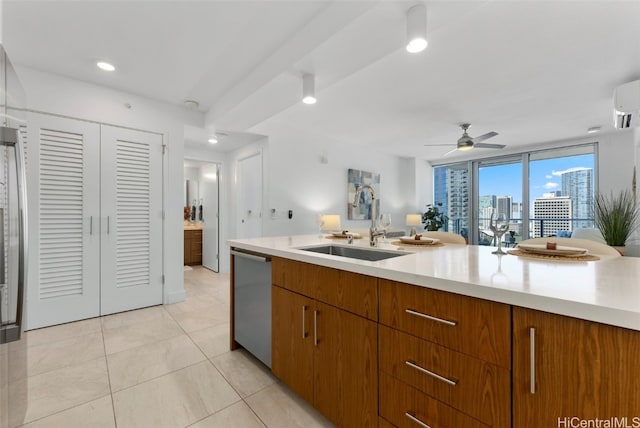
{"x": 91, "y": 225}
{"x": 532, "y": 359}
{"x": 429, "y": 317}
{"x": 304, "y": 311}
{"x": 108, "y": 221}
{"x": 430, "y": 373}
{"x": 315, "y": 328}
{"x": 416, "y": 420}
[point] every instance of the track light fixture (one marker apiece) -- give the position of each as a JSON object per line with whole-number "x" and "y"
{"x": 417, "y": 28}
{"x": 308, "y": 88}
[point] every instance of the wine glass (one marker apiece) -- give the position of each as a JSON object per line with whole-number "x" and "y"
{"x": 385, "y": 222}
{"x": 499, "y": 224}
{"x": 320, "y": 223}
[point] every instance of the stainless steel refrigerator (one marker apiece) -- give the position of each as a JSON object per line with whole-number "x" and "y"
{"x": 13, "y": 247}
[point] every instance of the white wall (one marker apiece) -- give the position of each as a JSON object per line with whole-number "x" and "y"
{"x": 52, "y": 93}
{"x": 296, "y": 179}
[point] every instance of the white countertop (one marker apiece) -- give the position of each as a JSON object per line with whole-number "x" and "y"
{"x": 606, "y": 291}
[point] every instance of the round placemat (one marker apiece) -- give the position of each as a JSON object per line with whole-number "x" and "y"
{"x": 406, "y": 244}
{"x": 585, "y": 258}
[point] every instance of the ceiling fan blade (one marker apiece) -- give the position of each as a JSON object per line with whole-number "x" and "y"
{"x": 489, "y": 146}
{"x": 484, "y": 136}
{"x": 436, "y": 145}
{"x": 450, "y": 151}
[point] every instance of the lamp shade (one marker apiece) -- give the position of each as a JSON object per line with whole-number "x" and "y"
{"x": 414, "y": 219}
{"x": 331, "y": 222}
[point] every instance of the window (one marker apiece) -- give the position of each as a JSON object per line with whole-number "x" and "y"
{"x": 545, "y": 193}
{"x": 451, "y": 192}
{"x": 561, "y": 190}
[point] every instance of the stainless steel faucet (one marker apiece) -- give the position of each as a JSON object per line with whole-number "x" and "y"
{"x": 373, "y": 231}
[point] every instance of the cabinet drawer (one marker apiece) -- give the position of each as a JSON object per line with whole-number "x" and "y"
{"x": 398, "y": 400}
{"x": 475, "y": 327}
{"x": 480, "y": 389}
{"x": 345, "y": 290}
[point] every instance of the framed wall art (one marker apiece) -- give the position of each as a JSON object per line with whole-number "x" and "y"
{"x": 355, "y": 179}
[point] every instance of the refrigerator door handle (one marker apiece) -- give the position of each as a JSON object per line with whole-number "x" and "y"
{"x": 23, "y": 258}
{"x": 10, "y": 137}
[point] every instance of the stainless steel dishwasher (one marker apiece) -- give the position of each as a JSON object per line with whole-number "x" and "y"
{"x": 252, "y": 303}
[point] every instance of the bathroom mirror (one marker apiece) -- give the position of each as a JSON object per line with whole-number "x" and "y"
{"x": 191, "y": 191}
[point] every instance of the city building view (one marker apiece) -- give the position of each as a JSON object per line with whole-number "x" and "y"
{"x": 561, "y": 197}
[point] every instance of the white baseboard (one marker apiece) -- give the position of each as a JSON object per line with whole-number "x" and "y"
{"x": 175, "y": 297}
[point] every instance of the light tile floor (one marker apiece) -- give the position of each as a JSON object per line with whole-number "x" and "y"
{"x": 164, "y": 366}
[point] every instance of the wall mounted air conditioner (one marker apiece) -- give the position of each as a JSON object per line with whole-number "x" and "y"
{"x": 626, "y": 105}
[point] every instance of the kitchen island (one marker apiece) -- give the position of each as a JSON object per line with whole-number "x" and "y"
{"x": 461, "y": 337}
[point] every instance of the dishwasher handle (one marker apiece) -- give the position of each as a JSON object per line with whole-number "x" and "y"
{"x": 255, "y": 257}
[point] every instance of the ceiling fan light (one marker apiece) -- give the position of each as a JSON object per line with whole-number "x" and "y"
{"x": 465, "y": 148}
{"x": 417, "y": 28}
{"x": 213, "y": 140}
{"x": 308, "y": 88}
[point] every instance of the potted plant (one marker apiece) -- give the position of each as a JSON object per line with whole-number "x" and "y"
{"x": 617, "y": 216}
{"x": 433, "y": 218}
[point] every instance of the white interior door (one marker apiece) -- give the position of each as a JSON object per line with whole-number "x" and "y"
{"x": 63, "y": 282}
{"x": 131, "y": 219}
{"x": 209, "y": 188}
{"x": 250, "y": 197}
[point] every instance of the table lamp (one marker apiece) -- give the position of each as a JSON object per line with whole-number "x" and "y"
{"x": 413, "y": 220}
{"x": 330, "y": 223}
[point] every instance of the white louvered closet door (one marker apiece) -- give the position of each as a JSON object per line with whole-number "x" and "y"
{"x": 131, "y": 219}
{"x": 63, "y": 282}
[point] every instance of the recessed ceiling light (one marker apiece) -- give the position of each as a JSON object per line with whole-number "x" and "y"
{"x": 103, "y": 65}
{"x": 213, "y": 140}
{"x": 593, "y": 129}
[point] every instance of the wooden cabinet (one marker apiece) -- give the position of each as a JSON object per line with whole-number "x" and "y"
{"x": 475, "y": 327}
{"x": 407, "y": 407}
{"x": 325, "y": 353}
{"x": 347, "y": 290}
{"x": 346, "y": 368}
{"x": 475, "y": 387}
{"x": 192, "y": 247}
{"x": 375, "y": 352}
{"x": 569, "y": 368}
{"x": 444, "y": 358}
{"x": 292, "y": 340}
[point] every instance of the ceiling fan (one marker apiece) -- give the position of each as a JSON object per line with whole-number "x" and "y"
{"x": 467, "y": 143}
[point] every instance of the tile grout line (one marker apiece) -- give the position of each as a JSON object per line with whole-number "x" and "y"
{"x": 61, "y": 411}
{"x": 106, "y": 359}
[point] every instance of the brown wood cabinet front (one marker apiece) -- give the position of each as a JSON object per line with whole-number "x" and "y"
{"x": 406, "y": 407}
{"x": 345, "y": 290}
{"x": 476, "y": 327}
{"x": 328, "y": 356}
{"x": 193, "y": 247}
{"x": 475, "y": 387}
{"x": 292, "y": 340}
{"x": 567, "y": 370}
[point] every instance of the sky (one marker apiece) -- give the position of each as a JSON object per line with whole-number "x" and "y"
{"x": 544, "y": 176}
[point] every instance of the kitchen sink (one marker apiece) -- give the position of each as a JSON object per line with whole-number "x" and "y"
{"x": 355, "y": 252}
